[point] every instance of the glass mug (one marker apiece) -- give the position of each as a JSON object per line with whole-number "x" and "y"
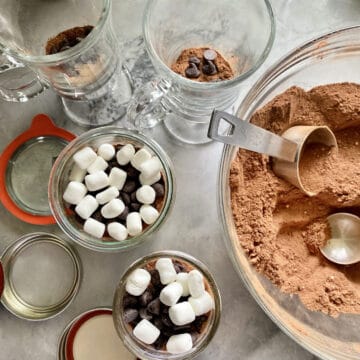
{"x": 89, "y": 77}
{"x": 241, "y": 30}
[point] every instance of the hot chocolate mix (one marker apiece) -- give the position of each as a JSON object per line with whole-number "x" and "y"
{"x": 280, "y": 228}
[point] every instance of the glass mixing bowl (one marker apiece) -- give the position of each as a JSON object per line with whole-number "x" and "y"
{"x": 334, "y": 57}
{"x": 59, "y": 178}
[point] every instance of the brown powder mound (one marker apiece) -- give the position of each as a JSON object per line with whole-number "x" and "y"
{"x": 280, "y": 228}
{"x": 224, "y": 70}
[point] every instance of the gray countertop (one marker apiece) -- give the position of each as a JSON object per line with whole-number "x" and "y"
{"x": 245, "y": 331}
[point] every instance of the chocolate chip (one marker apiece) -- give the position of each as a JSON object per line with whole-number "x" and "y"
{"x": 179, "y": 267}
{"x": 144, "y": 314}
{"x": 160, "y": 342}
{"x": 209, "y": 68}
{"x": 130, "y": 301}
{"x": 154, "y": 306}
{"x": 182, "y": 329}
{"x": 145, "y": 298}
{"x": 130, "y": 315}
{"x": 132, "y": 172}
{"x": 124, "y": 214}
{"x": 158, "y": 323}
{"x": 166, "y": 320}
{"x": 97, "y": 216}
{"x": 210, "y": 55}
{"x": 125, "y": 198}
{"x": 194, "y": 60}
{"x": 155, "y": 278}
{"x": 159, "y": 189}
{"x": 135, "y": 206}
{"x": 192, "y": 71}
{"x": 133, "y": 198}
{"x": 129, "y": 186}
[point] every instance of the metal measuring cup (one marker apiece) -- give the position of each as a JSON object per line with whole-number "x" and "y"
{"x": 286, "y": 150}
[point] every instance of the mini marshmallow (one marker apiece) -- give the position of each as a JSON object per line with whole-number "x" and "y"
{"x": 86, "y": 207}
{"x": 107, "y": 195}
{"x": 106, "y": 151}
{"x": 125, "y": 154}
{"x": 134, "y": 224}
{"x": 146, "y": 195}
{"x": 203, "y": 304}
{"x": 96, "y": 181}
{"x": 146, "y": 332}
{"x": 74, "y": 192}
{"x": 94, "y": 228}
{"x": 113, "y": 209}
{"x": 85, "y": 157}
{"x": 171, "y": 293}
{"x": 140, "y": 157}
{"x": 166, "y": 270}
{"x": 182, "y": 313}
{"x": 151, "y": 180}
{"x": 149, "y": 214}
{"x": 137, "y": 282}
{"x": 150, "y": 167}
{"x": 117, "y": 231}
{"x": 178, "y": 344}
{"x": 196, "y": 283}
{"x": 98, "y": 165}
{"x": 182, "y": 278}
{"x": 117, "y": 177}
{"x": 77, "y": 174}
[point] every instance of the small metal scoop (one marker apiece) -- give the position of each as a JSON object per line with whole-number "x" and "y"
{"x": 344, "y": 245}
{"x": 286, "y": 149}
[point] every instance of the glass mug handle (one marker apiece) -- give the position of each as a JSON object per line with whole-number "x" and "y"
{"x": 145, "y": 108}
{"x": 18, "y": 83}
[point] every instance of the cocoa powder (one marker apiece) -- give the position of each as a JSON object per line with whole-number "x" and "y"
{"x": 280, "y": 228}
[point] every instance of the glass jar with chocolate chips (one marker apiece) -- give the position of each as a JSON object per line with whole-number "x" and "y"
{"x": 167, "y": 306}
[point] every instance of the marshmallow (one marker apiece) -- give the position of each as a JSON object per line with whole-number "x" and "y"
{"x": 149, "y": 214}
{"x": 150, "y": 167}
{"x": 117, "y": 177}
{"x": 94, "y": 228}
{"x": 98, "y": 165}
{"x": 140, "y": 157}
{"x": 182, "y": 313}
{"x": 134, "y": 224}
{"x": 77, "y": 174}
{"x": 74, "y": 192}
{"x": 137, "y": 282}
{"x": 85, "y": 157}
{"x": 146, "y": 332}
{"x": 146, "y": 194}
{"x": 125, "y": 154}
{"x": 117, "y": 231}
{"x": 107, "y": 195}
{"x": 151, "y": 180}
{"x": 171, "y": 293}
{"x": 203, "y": 304}
{"x": 166, "y": 270}
{"x": 86, "y": 207}
{"x": 96, "y": 181}
{"x": 178, "y": 344}
{"x": 106, "y": 151}
{"x": 196, "y": 283}
{"x": 182, "y": 278}
{"x": 112, "y": 209}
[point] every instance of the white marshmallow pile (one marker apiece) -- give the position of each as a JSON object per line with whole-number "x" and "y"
{"x": 177, "y": 285}
{"x": 88, "y": 175}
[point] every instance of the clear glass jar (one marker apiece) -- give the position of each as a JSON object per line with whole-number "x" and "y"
{"x": 332, "y": 58}
{"x": 243, "y": 31}
{"x": 59, "y": 178}
{"x": 147, "y": 352}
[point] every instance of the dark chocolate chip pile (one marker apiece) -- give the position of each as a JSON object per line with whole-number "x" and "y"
{"x": 148, "y": 306}
{"x": 127, "y": 194}
{"x": 206, "y": 65}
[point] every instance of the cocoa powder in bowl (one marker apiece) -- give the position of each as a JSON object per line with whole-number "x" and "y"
{"x": 279, "y": 227}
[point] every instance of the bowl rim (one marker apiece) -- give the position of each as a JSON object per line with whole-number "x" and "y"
{"x": 227, "y": 223}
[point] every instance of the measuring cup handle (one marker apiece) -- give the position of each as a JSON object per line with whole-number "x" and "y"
{"x": 18, "y": 83}
{"x": 145, "y": 109}
{"x": 250, "y": 137}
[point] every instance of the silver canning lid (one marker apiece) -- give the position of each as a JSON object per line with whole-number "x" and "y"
{"x": 42, "y": 275}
